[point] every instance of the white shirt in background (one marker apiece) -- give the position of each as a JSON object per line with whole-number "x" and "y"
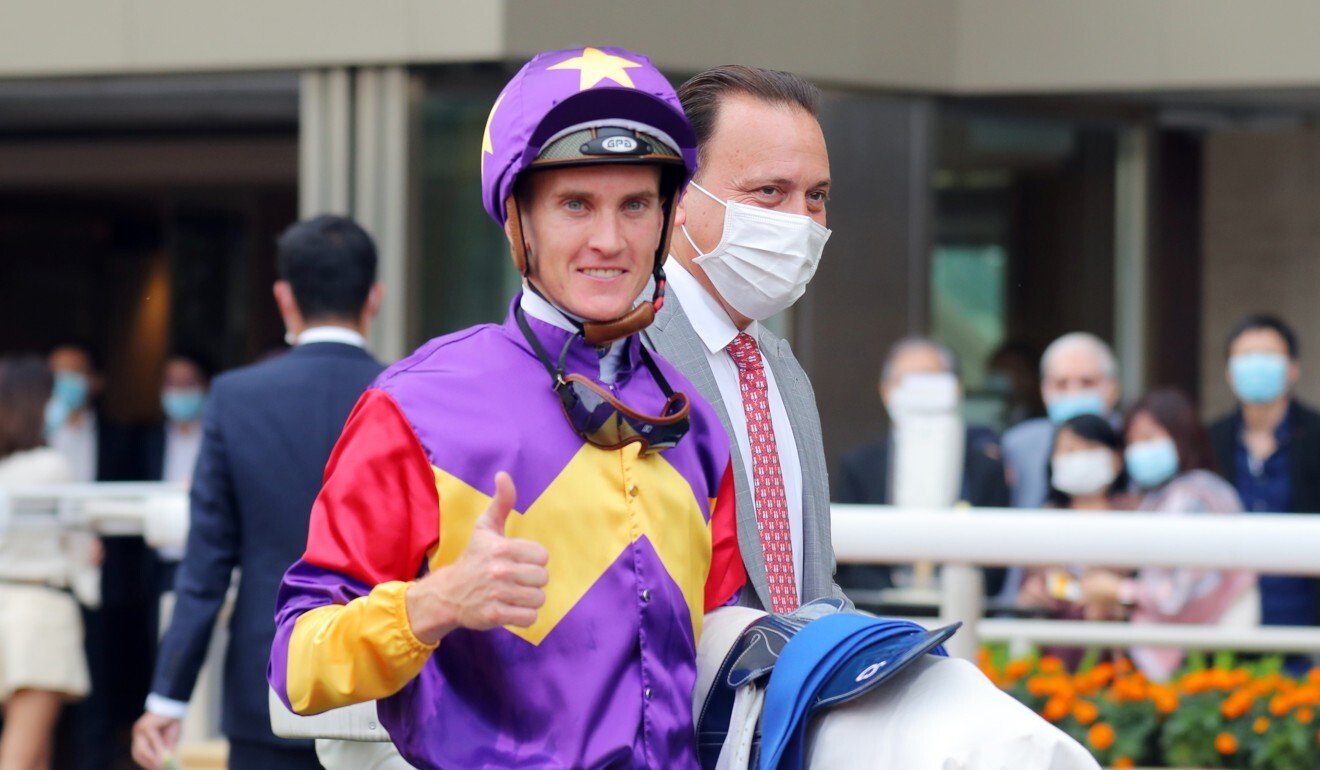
{"x": 716, "y": 330}
{"x": 340, "y": 334}
{"x": 181, "y": 447}
{"x": 78, "y": 445}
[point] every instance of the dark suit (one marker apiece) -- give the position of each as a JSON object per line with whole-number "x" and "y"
{"x": 115, "y": 634}
{"x": 864, "y": 479}
{"x": 267, "y": 432}
{"x": 1304, "y": 463}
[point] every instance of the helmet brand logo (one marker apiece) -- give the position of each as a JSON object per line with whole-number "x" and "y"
{"x": 620, "y": 144}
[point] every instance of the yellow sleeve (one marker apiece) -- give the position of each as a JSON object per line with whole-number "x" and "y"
{"x": 340, "y": 654}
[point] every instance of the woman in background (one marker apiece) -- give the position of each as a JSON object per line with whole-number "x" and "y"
{"x": 1168, "y": 457}
{"x": 42, "y": 663}
{"x": 1086, "y": 473}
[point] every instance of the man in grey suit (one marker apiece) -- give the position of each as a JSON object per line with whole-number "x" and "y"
{"x": 749, "y": 234}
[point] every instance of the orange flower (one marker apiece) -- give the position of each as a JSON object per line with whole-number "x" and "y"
{"x": 1017, "y": 669}
{"x": 1220, "y": 679}
{"x": 1131, "y": 688}
{"x": 1304, "y": 715}
{"x": 1226, "y": 744}
{"x": 1236, "y": 704}
{"x": 1085, "y": 712}
{"x": 1313, "y": 676}
{"x": 1239, "y": 677}
{"x": 1100, "y": 736}
{"x": 1280, "y": 705}
{"x": 1051, "y": 665}
{"x": 1123, "y": 762}
{"x": 1308, "y": 695}
{"x": 1056, "y": 708}
{"x": 1164, "y": 698}
{"x": 1195, "y": 682}
{"x": 1260, "y": 726}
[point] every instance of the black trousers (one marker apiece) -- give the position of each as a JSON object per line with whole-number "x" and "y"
{"x": 250, "y": 755}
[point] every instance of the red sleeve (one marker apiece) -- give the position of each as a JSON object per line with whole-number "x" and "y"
{"x": 727, "y": 574}
{"x": 378, "y": 512}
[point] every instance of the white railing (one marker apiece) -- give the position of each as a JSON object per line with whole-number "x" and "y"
{"x": 965, "y": 539}
{"x": 155, "y": 510}
{"x": 158, "y": 512}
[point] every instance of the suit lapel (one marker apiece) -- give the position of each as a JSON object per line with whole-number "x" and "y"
{"x": 672, "y": 336}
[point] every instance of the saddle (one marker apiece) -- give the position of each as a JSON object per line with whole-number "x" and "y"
{"x": 859, "y": 652}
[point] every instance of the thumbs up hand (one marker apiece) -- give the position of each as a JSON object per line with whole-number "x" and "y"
{"x": 496, "y": 581}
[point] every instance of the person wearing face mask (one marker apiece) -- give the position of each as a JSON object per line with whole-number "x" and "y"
{"x": 266, "y": 431}
{"x": 1269, "y": 449}
{"x": 98, "y": 448}
{"x": 1078, "y": 375}
{"x": 749, "y": 234}
{"x": 1085, "y": 473}
{"x": 170, "y": 450}
{"x": 1169, "y": 460}
{"x": 866, "y": 473}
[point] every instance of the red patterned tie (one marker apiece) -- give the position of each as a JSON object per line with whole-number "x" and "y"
{"x": 767, "y": 477}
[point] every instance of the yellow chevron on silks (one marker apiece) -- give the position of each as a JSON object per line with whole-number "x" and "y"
{"x": 573, "y": 512}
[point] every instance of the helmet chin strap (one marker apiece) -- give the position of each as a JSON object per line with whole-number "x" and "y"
{"x": 597, "y": 333}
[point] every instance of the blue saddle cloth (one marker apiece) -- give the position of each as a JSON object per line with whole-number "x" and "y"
{"x": 829, "y": 661}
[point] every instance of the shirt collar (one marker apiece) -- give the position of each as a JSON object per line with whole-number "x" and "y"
{"x": 707, "y": 316}
{"x": 618, "y": 359}
{"x": 537, "y": 307}
{"x": 339, "y": 334}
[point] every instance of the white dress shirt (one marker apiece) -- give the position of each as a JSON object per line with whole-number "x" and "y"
{"x": 182, "y": 443}
{"x": 716, "y": 330}
{"x": 78, "y": 445}
{"x": 340, "y": 334}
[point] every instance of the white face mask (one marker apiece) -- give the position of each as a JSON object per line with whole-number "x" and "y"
{"x": 1083, "y": 473}
{"x": 764, "y": 259}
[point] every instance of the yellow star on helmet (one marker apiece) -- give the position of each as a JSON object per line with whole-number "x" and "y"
{"x": 486, "y": 145}
{"x": 595, "y": 65}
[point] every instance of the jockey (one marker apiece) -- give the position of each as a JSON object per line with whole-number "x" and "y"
{"x": 523, "y": 524}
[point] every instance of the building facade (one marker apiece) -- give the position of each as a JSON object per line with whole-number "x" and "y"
{"x": 1004, "y": 171}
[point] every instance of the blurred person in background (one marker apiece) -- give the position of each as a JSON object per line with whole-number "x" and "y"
{"x": 1169, "y": 461}
{"x": 866, "y": 473}
{"x": 267, "y": 432}
{"x": 1012, "y": 375}
{"x": 170, "y": 447}
{"x": 42, "y": 662}
{"x": 1085, "y": 473}
{"x": 100, "y": 449}
{"x": 1079, "y": 375}
{"x": 1269, "y": 449}
{"x": 169, "y": 453}
{"x": 95, "y": 448}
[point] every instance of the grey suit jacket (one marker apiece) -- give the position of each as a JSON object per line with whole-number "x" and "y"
{"x": 672, "y": 336}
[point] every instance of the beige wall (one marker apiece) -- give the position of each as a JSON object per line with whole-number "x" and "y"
{"x": 953, "y": 46}
{"x": 1082, "y": 45}
{"x": 895, "y": 43}
{"x": 1261, "y": 246}
{"x": 94, "y": 37}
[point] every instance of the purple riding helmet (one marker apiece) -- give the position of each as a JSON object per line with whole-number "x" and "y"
{"x": 582, "y": 107}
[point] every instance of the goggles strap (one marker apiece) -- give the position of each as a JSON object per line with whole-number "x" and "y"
{"x": 556, "y": 374}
